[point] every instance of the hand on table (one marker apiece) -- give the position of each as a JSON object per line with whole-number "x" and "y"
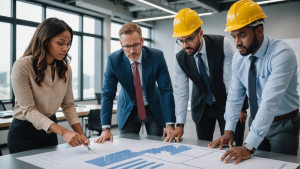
{"x": 75, "y": 139}
{"x": 243, "y": 117}
{"x": 106, "y": 134}
{"x": 178, "y": 132}
{"x": 168, "y": 132}
{"x": 237, "y": 154}
{"x": 226, "y": 138}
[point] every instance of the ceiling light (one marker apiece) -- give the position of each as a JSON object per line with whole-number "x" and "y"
{"x": 270, "y": 1}
{"x": 158, "y": 7}
{"x": 203, "y": 14}
{"x": 166, "y": 17}
{"x": 155, "y": 18}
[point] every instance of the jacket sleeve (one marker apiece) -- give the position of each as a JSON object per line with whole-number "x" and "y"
{"x": 109, "y": 90}
{"x": 166, "y": 90}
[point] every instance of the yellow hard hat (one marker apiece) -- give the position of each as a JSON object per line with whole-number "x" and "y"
{"x": 242, "y": 13}
{"x": 186, "y": 22}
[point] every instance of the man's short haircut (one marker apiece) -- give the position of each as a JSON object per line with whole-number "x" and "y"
{"x": 128, "y": 28}
{"x": 198, "y": 29}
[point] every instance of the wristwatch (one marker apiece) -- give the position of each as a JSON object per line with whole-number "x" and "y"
{"x": 179, "y": 125}
{"x": 105, "y": 128}
{"x": 250, "y": 148}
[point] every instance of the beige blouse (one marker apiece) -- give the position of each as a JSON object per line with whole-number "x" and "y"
{"x": 36, "y": 103}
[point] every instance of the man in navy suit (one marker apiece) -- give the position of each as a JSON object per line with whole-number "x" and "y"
{"x": 137, "y": 68}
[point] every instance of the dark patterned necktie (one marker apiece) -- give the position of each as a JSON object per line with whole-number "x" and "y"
{"x": 252, "y": 87}
{"x": 203, "y": 73}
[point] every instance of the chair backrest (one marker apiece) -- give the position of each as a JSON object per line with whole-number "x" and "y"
{"x": 2, "y": 107}
{"x": 98, "y": 97}
{"x": 94, "y": 121}
{"x": 13, "y": 103}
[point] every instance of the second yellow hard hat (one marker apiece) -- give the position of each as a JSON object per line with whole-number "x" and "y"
{"x": 242, "y": 13}
{"x": 186, "y": 22}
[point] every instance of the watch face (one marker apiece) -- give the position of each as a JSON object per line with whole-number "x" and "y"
{"x": 248, "y": 147}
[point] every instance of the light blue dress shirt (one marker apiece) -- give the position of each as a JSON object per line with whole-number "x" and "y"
{"x": 276, "y": 87}
{"x": 182, "y": 81}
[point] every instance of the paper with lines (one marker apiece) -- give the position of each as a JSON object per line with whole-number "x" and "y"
{"x": 145, "y": 154}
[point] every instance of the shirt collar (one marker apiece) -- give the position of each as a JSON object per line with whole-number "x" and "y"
{"x": 203, "y": 49}
{"x": 262, "y": 49}
{"x": 139, "y": 60}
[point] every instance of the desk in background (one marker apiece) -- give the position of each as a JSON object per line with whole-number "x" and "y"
{"x": 81, "y": 111}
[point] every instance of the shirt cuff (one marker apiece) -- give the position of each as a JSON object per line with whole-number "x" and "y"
{"x": 253, "y": 139}
{"x": 170, "y": 123}
{"x": 180, "y": 119}
{"x": 230, "y": 126}
{"x": 47, "y": 124}
{"x": 106, "y": 126}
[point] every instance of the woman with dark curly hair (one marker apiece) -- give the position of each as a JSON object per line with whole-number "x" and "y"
{"x": 42, "y": 82}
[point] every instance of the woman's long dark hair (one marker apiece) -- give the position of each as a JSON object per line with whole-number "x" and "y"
{"x": 49, "y": 28}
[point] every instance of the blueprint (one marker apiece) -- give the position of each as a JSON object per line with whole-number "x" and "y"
{"x": 146, "y": 154}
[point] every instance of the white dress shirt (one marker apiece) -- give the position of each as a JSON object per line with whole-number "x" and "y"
{"x": 182, "y": 80}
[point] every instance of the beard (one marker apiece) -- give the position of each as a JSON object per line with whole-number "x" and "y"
{"x": 253, "y": 45}
{"x": 194, "y": 49}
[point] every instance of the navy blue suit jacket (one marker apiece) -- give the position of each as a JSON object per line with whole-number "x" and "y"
{"x": 160, "y": 97}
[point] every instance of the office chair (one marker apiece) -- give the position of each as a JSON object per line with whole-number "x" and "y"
{"x": 98, "y": 97}
{"x": 94, "y": 122}
{"x": 13, "y": 103}
{"x": 2, "y": 107}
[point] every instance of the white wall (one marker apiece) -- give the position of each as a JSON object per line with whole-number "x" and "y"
{"x": 283, "y": 21}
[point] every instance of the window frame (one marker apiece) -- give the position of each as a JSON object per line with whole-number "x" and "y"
{"x": 14, "y": 21}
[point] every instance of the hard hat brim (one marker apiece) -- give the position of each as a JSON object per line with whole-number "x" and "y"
{"x": 235, "y": 27}
{"x": 176, "y": 35}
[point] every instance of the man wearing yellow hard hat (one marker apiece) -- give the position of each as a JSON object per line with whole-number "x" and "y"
{"x": 267, "y": 69}
{"x": 206, "y": 60}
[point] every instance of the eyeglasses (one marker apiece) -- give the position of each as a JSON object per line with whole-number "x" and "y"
{"x": 188, "y": 41}
{"x": 135, "y": 46}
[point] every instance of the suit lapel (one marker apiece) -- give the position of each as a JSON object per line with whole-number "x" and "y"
{"x": 210, "y": 58}
{"x": 128, "y": 73}
{"x": 145, "y": 68}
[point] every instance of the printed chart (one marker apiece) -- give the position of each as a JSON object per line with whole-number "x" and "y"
{"x": 145, "y": 154}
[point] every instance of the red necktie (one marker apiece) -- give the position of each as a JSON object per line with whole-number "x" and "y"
{"x": 139, "y": 92}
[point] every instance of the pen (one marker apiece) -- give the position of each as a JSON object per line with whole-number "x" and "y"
{"x": 89, "y": 148}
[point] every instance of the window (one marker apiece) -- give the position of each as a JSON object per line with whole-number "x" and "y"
{"x": 74, "y": 53}
{"x": 5, "y": 42}
{"x": 91, "y": 25}
{"x": 71, "y": 19}
{"x": 5, "y": 8}
{"x": 91, "y": 49}
{"x": 24, "y": 35}
{"x": 34, "y": 14}
{"x": 85, "y": 52}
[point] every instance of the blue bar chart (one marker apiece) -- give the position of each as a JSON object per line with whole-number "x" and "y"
{"x": 128, "y": 154}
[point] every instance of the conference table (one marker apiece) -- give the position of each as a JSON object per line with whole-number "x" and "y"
{"x": 82, "y": 111}
{"x": 10, "y": 161}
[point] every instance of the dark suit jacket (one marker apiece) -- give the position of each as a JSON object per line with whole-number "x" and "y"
{"x": 154, "y": 70}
